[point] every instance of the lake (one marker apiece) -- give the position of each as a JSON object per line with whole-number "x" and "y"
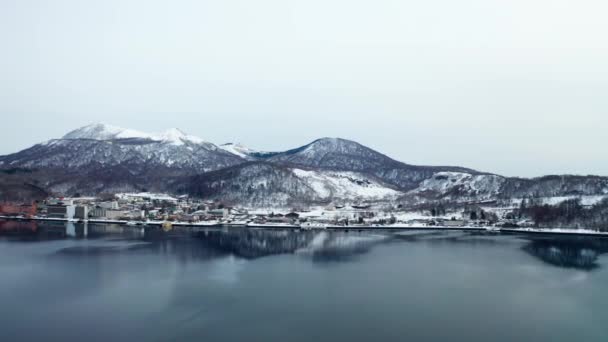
{"x": 100, "y": 282}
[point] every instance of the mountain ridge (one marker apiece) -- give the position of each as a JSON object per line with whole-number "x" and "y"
{"x": 100, "y": 157}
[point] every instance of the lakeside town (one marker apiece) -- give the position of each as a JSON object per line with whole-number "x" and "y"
{"x": 140, "y": 208}
{"x": 137, "y": 209}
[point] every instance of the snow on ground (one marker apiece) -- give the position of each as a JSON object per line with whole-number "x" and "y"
{"x": 352, "y": 185}
{"x": 351, "y": 213}
{"x": 585, "y": 200}
{"x": 146, "y": 195}
{"x": 443, "y": 182}
{"x": 406, "y": 216}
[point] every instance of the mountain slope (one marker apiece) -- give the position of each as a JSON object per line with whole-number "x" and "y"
{"x": 240, "y": 150}
{"x": 460, "y": 186}
{"x": 553, "y": 186}
{"x": 345, "y": 155}
{"x": 103, "y": 158}
{"x": 268, "y": 184}
{"x": 105, "y": 146}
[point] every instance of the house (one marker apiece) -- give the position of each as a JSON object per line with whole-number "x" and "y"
{"x": 278, "y": 219}
{"x": 454, "y": 223}
{"x": 18, "y": 209}
{"x": 109, "y": 205}
{"x": 188, "y": 218}
{"x": 292, "y": 216}
{"x": 112, "y": 214}
{"x": 218, "y": 213}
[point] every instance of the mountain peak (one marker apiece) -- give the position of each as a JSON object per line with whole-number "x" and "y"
{"x": 103, "y": 131}
{"x": 177, "y": 137}
{"x": 335, "y": 153}
{"x": 333, "y": 142}
{"x": 331, "y": 145}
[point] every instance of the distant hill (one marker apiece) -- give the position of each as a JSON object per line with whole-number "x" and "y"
{"x": 102, "y": 158}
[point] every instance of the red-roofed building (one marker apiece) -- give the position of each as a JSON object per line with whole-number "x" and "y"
{"x": 12, "y": 209}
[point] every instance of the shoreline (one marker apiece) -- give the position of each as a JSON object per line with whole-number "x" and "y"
{"x": 395, "y": 227}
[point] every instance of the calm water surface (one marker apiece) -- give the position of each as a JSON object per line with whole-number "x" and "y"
{"x": 112, "y": 283}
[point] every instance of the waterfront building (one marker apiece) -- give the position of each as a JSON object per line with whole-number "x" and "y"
{"x": 61, "y": 210}
{"x": 109, "y": 205}
{"x": 81, "y": 212}
{"x": 8, "y": 208}
{"x": 454, "y": 223}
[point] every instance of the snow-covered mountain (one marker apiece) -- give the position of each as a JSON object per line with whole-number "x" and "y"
{"x": 101, "y": 145}
{"x": 101, "y": 131}
{"x": 335, "y": 154}
{"x": 269, "y": 184}
{"x": 104, "y": 158}
{"x": 346, "y": 155}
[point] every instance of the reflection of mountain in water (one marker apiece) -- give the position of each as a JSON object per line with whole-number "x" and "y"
{"x": 255, "y": 243}
{"x": 322, "y": 245}
{"x": 569, "y": 252}
{"x": 335, "y": 246}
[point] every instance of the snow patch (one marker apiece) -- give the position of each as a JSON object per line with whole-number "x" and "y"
{"x": 464, "y": 183}
{"x": 239, "y": 150}
{"x": 346, "y": 185}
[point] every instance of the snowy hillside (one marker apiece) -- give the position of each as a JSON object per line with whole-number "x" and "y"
{"x": 460, "y": 186}
{"x": 267, "y": 184}
{"x": 348, "y": 186}
{"x": 102, "y": 145}
{"x": 103, "y": 158}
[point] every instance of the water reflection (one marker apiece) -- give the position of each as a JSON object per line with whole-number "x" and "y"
{"x": 321, "y": 245}
{"x": 569, "y": 252}
{"x": 186, "y": 245}
{"x": 562, "y": 251}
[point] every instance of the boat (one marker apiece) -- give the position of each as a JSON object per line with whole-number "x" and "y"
{"x": 167, "y": 226}
{"x": 493, "y": 229}
{"x": 131, "y": 223}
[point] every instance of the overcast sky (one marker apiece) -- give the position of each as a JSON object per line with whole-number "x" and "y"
{"x": 516, "y": 87}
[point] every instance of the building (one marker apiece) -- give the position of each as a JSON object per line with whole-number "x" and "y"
{"x": 454, "y": 223}
{"x": 219, "y": 213}
{"x": 292, "y": 216}
{"x": 109, "y": 205}
{"x": 60, "y": 201}
{"x": 136, "y": 214}
{"x": 18, "y": 209}
{"x": 97, "y": 212}
{"x": 81, "y": 212}
{"x": 112, "y": 214}
{"x": 61, "y": 211}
